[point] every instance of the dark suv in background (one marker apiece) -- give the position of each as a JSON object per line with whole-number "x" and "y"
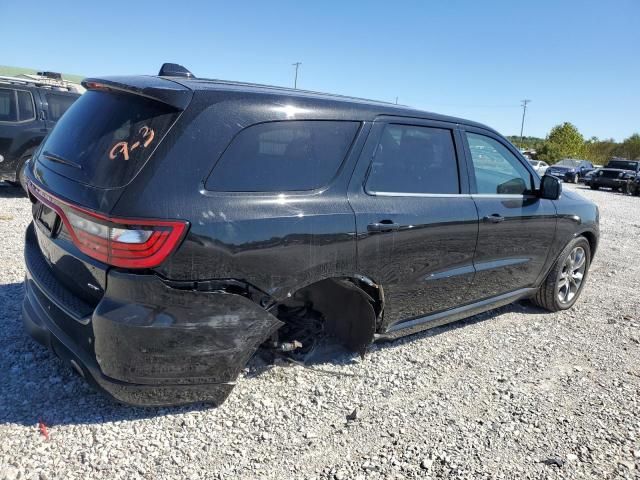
{"x": 29, "y": 108}
{"x": 570, "y": 170}
{"x": 616, "y": 174}
{"x": 203, "y": 219}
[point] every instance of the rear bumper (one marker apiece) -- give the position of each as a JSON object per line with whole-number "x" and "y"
{"x": 146, "y": 343}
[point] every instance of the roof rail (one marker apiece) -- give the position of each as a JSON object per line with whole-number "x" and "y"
{"x": 44, "y": 82}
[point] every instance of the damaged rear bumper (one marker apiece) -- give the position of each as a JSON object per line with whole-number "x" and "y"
{"x": 146, "y": 343}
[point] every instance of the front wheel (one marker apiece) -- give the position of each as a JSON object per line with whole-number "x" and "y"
{"x": 564, "y": 283}
{"x": 594, "y": 187}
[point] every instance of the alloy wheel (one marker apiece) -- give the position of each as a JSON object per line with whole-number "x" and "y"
{"x": 571, "y": 276}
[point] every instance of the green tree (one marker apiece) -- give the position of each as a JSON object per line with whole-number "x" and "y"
{"x": 563, "y": 141}
{"x": 600, "y": 151}
{"x": 630, "y": 147}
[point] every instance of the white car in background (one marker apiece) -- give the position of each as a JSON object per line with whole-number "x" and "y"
{"x": 539, "y": 166}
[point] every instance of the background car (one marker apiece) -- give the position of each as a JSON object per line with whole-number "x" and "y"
{"x": 539, "y": 166}
{"x": 29, "y": 108}
{"x": 570, "y": 170}
{"x": 615, "y": 175}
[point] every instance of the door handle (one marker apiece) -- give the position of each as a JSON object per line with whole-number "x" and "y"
{"x": 383, "y": 226}
{"x": 495, "y": 218}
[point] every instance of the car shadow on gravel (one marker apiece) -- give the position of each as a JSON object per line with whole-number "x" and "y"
{"x": 10, "y": 191}
{"x": 36, "y": 385}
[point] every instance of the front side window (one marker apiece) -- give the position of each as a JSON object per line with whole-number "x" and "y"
{"x": 412, "y": 159}
{"x": 283, "y": 156}
{"x": 58, "y": 104}
{"x": 8, "y": 106}
{"x": 497, "y": 170}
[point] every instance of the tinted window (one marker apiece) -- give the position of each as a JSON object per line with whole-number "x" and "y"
{"x": 412, "y": 159}
{"x": 497, "y": 170}
{"x": 280, "y": 156}
{"x": 622, "y": 165}
{"x": 107, "y": 136}
{"x": 26, "y": 109}
{"x": 58, "y": 104}
{"x": 8, "y": 110}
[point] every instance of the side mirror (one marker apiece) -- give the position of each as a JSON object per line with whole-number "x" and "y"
{"x": 514, "y": 186}
{"x": 550, "y": 188}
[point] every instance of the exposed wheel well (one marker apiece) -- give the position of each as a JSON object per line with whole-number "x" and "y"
{"x": 348, "y": 309}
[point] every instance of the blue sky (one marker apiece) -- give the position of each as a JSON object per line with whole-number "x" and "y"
{"x": 577, "y": 61}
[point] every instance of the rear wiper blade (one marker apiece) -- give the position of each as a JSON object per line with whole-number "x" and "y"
{"x": 58, "y": 159}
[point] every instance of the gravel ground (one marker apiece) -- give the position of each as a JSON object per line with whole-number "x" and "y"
{"x": 514, "y": 393}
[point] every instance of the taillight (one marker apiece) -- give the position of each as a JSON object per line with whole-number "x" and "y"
{"x": 121, "y": 242}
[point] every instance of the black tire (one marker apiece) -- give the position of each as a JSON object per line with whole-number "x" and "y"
{"x": 19, "y": 181}
{"x": 594, "y": 187}
{"x": 549, "y": 292}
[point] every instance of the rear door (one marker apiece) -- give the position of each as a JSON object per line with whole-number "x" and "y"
{"x": 516, "y": 227}
{"x": 416, "y": 222}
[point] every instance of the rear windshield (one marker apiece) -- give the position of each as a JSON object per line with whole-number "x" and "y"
{"x": 622, "y": 165}
{"x": 283, "y": 156}
{"x": 105, "y": 138}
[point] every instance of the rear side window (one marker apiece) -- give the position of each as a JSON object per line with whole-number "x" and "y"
{"x": 283, "y": 156}
{"x": 58, "y": 104}
{"x": 106, "y": 138}
{"x": 8, "y": 108}
{"x": 16, "y": 105}
{"x": 411, "y": 159}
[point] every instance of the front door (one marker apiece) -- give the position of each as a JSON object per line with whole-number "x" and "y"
{"x": 416, "y": 223}
{"x": 516, "y": 227}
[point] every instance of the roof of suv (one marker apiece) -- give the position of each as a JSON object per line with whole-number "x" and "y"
{"x": 383, "y": 108}
{"x": 159, "y": 87}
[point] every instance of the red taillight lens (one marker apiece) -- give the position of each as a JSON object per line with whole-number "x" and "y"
{"x": 121, "y": 242}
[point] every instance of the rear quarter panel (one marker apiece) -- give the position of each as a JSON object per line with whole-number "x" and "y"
{"x": 277, "y": 241}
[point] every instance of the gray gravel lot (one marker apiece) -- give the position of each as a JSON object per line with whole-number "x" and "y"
{"x": 514, "y": 393}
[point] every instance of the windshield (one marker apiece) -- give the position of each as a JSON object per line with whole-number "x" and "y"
{"x": 105, "y": 138}
{"x": 568, "y": 163}
{"x": 623, "y": 165}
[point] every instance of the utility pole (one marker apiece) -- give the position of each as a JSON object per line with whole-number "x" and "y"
{"x": 295, "y": 80}
{"x": 396, "y": 100}
{"x": 524, "y": 112}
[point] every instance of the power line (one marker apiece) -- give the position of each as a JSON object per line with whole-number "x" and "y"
{"x": 524, "y": 112}
{"x": 295, "y": 80}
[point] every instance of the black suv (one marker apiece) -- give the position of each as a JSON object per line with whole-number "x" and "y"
{"x": 203, "y": 219}
{"x": 616, "y": 174}
{"x": 29, "y": 108}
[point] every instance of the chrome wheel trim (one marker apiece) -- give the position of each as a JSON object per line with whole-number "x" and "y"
{"x": 571, "y": 275}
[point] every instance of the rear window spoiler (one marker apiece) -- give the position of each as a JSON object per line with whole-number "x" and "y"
{"x": 159, "y": 89}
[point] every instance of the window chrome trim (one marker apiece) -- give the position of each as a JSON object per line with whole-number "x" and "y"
{"x": 502, "y": 195}
{"x": 420, "y": 195}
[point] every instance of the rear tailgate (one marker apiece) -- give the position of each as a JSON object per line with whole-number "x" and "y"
{"x": 99, "y": 145}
